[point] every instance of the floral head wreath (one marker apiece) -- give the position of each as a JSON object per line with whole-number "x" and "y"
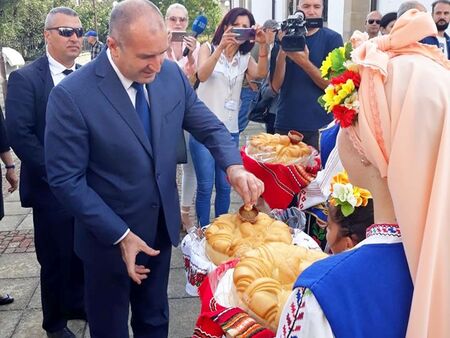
{"x": 347, "y": 196}
{"x": 341, "y": 95}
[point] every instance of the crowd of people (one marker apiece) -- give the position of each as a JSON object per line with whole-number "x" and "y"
{"x": 98, "y": 165}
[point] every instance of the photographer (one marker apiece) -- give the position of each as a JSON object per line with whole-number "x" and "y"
{"x": 222, "y": 66}
{"x": 297, "y": 77}
{"x": 177, "y": 20}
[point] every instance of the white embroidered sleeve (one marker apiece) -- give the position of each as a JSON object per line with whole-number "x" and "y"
{"x": 302, "y": 317}
{"x": 319, "y": 189}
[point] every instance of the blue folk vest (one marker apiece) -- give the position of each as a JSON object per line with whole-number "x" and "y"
{"x": 365, "y": 292}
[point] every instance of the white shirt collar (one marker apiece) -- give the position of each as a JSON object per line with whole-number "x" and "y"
{"x": 57, "y": 68}
{"x": 126, "y": 83}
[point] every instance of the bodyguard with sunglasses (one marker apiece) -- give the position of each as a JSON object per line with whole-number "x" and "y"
{"x": 373, "y": 22}
{"x": 28, "y": 90}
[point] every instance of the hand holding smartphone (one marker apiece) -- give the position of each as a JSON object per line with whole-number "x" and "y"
{"x": 244, "y": 34}
{"x": 178, "y": 36}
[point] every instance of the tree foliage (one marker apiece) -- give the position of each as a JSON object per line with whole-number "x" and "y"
{"x": 22, "y": 24}
{"x": 22, "y": 21}
{"x": 211, "y": 9}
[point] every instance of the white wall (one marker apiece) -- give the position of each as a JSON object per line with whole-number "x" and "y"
{"x": 385, "y": 6}
{"x": 336, "y": 15}
{"x": 262, "y": 10}
{"x": 281, "y": 10}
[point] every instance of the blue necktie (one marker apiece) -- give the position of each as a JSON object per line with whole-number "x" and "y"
{"x": 142, "y": 108}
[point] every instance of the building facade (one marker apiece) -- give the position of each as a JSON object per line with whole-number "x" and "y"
{"x": 343, "y": 16}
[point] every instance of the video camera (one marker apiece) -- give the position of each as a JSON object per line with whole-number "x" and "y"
{"x": 295, "y": 28}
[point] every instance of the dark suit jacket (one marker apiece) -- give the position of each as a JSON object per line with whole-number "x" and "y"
{"x": 101, "y": 165}
{"x": 28, "y": 91}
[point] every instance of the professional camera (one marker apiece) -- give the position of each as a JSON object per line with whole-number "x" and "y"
{"x": 295, "y": 28}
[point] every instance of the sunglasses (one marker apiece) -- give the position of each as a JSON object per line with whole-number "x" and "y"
{"x": 177, "y": 18}
{"x": 371, "y": 21}
{"x": 68, "y": 31}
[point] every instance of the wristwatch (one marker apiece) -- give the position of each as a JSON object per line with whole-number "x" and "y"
{"x": 10, "y": 166}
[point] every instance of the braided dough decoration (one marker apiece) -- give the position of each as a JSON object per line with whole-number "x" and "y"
{"x": 277, "y": 148}
{"x": 264, "y": 278}
{"x": 229, "y": 237}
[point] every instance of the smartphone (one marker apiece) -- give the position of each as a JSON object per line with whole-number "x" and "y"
{"x": 244, "y": 33}
{"x": 178, "y": 36}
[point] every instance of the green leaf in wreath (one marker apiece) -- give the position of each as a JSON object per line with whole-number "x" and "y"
{"x": 321, "y": 101}
{"x": 347, "y": 209}
{"x": 348, "y": 50}
{"x": 337, "y": 62}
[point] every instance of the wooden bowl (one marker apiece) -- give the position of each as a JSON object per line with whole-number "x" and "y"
{"x": 248, "y": 215}
{"x": 295, "y": 136}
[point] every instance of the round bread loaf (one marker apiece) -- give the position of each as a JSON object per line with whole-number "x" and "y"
{"x": 277, "y": 148}
{"x": 228, "y": 237}
{"x": 264, "y": 277}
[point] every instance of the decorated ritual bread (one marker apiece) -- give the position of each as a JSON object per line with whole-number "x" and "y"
{"x": 229, "y": 236}
{"x": 264, "y": 277}
{"x": 282, "y": 149}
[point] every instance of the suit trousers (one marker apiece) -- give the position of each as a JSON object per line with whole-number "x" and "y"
{"x": 61, "y": 270}
{"x": 109, "y": 295}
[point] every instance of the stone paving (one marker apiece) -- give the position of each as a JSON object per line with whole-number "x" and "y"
{"x": 19, "y": 276}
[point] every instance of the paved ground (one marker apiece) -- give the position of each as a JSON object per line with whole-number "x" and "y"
{"x": 19, "y": 276}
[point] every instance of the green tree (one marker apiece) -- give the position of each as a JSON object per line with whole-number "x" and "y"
{"x": 210, "y": 8}
{"x": 23, "y": 25}
{"x": 22, "y": 21}
{"x": 95, "y": 16}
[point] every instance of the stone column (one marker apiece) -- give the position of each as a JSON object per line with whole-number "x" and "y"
{"x": 355, "y": 13}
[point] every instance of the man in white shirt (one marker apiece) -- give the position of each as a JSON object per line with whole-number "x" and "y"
{"x": 441, "y": 16}
{"x": 28, "y": 90}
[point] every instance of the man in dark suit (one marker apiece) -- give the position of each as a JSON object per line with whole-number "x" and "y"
{"x": 110, "y": 154}
{"x": 28, "y": 91}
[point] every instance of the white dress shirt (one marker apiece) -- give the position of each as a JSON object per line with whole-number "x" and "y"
{"x": 126, "y": 83}
{"x": 56, "y": 69}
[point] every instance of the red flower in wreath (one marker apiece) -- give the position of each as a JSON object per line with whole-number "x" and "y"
{"x": 344, "y": 115}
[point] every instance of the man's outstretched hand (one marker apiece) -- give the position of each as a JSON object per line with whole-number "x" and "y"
{"x": 130, "y": 246}
{"x": 247, "y": 185}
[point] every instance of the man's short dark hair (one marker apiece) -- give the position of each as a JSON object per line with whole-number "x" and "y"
{"x": 447, "y": 2}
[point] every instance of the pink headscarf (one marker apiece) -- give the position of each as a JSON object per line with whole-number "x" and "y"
{"x": 404, "y": 130}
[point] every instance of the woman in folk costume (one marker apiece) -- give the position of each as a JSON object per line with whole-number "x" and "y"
{"x": 396, "y": 282}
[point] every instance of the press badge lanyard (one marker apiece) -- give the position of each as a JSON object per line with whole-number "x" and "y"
{"x": 231, "y": 106}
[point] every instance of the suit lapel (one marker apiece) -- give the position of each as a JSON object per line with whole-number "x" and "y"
{"x": 46, "y": 76}
{"x": 114, "y": 92}
{"x": 156, "y": 110}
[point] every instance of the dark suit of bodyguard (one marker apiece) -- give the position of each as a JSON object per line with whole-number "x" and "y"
{"x": 119, "y": 179}
{"x": 28, "y": 91}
